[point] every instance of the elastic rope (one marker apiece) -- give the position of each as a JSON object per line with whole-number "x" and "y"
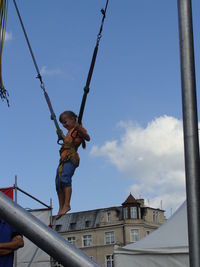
{"x": 3, "y": 20}
{"x": 92, "y": 64}
{"x": 103, "y": 11}
{"x": 53, "y": 116}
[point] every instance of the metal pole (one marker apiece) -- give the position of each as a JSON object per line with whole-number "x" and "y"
{"x": 43, "y": 236}
{"x": 29, "y": 195}
{"x": 51, "y": 215}
{"x": 15, "y": 188}
{"x": 190, "y": 125}
{"x": 34, "y": 254}
{"x": 51, "y": 225}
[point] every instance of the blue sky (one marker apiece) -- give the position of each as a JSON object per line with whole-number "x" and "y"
{"x": 133, "y": 111}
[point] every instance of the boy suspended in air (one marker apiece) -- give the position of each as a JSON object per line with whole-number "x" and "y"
{"x": 69, "y": 159}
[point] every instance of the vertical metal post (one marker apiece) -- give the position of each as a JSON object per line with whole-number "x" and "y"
{"x": 51, "y": 224}
{"x": 190, "y": 125}
{"x": 15, "y": 187}
{"x": 51, "y": 215}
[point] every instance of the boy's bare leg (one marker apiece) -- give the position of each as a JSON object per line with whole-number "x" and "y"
{"x": 67, "y": 193}
{"x": 64, "y": 201}
{"x": 61, "y": 199}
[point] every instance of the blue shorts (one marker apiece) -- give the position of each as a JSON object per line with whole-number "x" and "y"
{"x": 66, "y": 177}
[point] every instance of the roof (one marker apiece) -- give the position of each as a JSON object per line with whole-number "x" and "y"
{"x": 89, "y": 219}
{"x": 130, "y": 201}
{"x": 82, "y": 220}
{"x": 171, "y": 235}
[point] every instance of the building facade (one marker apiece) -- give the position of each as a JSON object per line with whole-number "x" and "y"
{"x": 97, "y": 231}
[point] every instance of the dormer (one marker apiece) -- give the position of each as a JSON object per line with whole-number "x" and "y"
{"x": 131, "y": 208}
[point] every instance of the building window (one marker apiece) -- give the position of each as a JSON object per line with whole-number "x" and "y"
{"x": 109, "y": 261}
{"x": 87, "y": 240}
{"x": 72, "y": 240}
{"x": 58, "y": 227}
{"x": 108, "y": 216}
{"x": 109, "y": 238}
{"x": 87, "y": 224}
{"x": 134, "y": 212}
{"x": 134, "y": 235}
{"x": 155, "y": 216}
{"x": 72, "y": 226}
{"x": 125, "y": 211}
{"x": 147, "y": 232}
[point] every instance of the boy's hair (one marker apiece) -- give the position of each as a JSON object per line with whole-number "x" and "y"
{"x": 67, "y": 113}
{"x": 71, "y": 114}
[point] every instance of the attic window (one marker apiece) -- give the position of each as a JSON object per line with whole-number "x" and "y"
{"x": 134, "y": 212}
{"x": 58, "y": 227}
{"x": 108, "y": 216}
{"x": 72, "y": 226}
{"x": 87, "y": 223}
{"x": 125, "y": 211}
{"x": 155, "y": 216}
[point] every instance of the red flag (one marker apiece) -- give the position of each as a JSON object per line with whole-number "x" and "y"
{"x": 8, "y": 191}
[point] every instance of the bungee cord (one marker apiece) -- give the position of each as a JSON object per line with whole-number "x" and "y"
{"x": 91, "y": 69}
{"x": 3, "y": 19}
{"x": 89, "y": 77}
{"x": 39, "y": 76}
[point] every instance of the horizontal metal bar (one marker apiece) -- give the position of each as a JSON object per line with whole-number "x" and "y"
{"x": 29, "y": 195}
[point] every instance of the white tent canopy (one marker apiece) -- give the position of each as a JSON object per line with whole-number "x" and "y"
{"x": 167, "y": 246}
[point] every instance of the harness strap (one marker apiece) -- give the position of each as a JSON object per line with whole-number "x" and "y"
{"x": 71, "y": 154}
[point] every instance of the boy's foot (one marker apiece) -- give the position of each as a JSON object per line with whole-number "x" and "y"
{"x": 58, "y": 216}
{"x": 65, "y": 209}
{"x": 62, "y": 212}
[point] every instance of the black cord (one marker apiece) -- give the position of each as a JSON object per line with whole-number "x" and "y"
{"x": 91, "y": 69}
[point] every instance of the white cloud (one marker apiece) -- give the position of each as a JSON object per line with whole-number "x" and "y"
{"x": 50, "y": 72}
{"x": 8, "y": 36}
{"x": 153, "y": 158}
